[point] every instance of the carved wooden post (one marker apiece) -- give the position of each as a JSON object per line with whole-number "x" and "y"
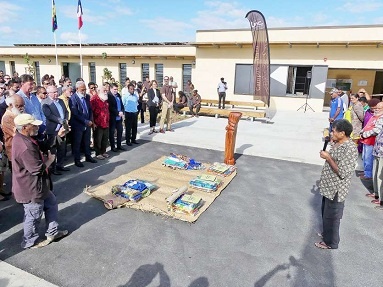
{"x": 231, "y": 134}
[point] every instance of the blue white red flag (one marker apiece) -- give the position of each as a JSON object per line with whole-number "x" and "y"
{"x": 79, "y": 14}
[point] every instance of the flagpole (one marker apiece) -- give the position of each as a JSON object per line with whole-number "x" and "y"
{"x": 54, "y": 28}
{"x": 57, "y": 61}
{"x": 79, "y": 36}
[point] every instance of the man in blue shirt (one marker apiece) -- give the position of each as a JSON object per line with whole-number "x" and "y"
{"x": 32, "y": 104}
{"x": 336, "y": 107}
{"x": 130, "y": 101}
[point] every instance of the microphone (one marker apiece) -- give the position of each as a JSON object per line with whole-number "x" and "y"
{"x": 326, "y": 141}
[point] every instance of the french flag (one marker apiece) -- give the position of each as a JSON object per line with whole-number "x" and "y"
{"x": 79, "y": 14}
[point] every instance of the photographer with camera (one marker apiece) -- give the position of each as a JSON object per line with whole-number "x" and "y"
{"x": 141, "y": 91}
{"x": 56, "y": 120}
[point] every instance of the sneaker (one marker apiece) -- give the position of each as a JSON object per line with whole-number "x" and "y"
{"x": 151, "y": 132}
{"x": 39, "y": 244}
{"x": 106, "y": 155}
{"x": 50, "y": 239}
{"x": 162, "y": 131}
{"x": 100, "y": 157}
{"x": 58, "y": 235}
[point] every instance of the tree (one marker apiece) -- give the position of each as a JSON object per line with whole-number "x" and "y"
{"x": 107, "y": 73}
{"x": 30, "y": 65}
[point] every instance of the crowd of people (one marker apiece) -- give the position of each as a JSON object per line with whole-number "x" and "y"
{"x": 39, "y": 122}
{"x": 356, "y": 126}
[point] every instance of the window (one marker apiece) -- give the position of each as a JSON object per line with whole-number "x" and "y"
{"x": 2, "y": 67}
{"x": 159, "y": 71}
{"x": 123, "y": 73}
{"x": 13, "y": 67}
{"x": 144, "y": 71}
{"x": 186, "y": 74}
{"x": 92, "y": 72}
{"x": 37, "y": 72}
{"x": 244, "y": 80}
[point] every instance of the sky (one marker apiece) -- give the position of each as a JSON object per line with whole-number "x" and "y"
{"x": 127, "y": 21}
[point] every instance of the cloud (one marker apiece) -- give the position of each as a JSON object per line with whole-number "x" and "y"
{"x": 273, "y": 22}
{"x": 6, "y": 30}
{"x": 70, "y": 11}
{"x": 72, "y": 38}
{"x": 221, "y": 15}
{"x": 169, "y": 30}
{"x": 88, "y": 16}
{"x": 8, "y": 11}
{"x": 121, "y": 10}
{"x": 360, "y": 6}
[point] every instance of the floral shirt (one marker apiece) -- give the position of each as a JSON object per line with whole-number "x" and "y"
{"x": 345, "y": 156}
{"x": 9, "y": 129}
{"x": 357, "y": 116}
{"x": 378, "y": 146}
{"x": 100, "y": 111}
{"x": 372, "y": 129}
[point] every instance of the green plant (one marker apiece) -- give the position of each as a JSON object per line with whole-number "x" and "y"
{"x": 107, "y": 75}
{"x": 30, "y": 65}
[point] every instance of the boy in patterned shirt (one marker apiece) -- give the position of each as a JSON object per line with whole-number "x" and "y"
{"x": 335, "y": 181}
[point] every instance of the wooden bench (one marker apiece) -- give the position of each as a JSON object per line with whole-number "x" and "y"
{"x": 246, "y": 113}
{"x": 233, "y": 104}
{"x": 248, "y": 109}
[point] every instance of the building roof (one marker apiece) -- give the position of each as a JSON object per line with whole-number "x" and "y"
{"x": 107, "y": 44}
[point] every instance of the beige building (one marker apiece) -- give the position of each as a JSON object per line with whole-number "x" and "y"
{"x": 304, "y": 60}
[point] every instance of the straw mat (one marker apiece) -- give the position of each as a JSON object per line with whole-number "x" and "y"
{"x": 167, "y": 181}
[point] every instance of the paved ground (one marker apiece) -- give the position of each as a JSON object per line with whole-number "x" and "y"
{"x": 259, "y": 232}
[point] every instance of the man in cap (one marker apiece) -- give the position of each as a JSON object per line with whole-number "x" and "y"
{"x": 336, "y": 107}
{"x": 31, "y": 184}
{"x": 221, "y": 90}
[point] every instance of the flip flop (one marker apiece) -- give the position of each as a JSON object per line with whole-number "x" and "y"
{"x": 322, "y": 245}
{"x": 370, "y": 194}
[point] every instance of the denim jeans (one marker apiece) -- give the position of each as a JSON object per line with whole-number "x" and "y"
{"x": 368, "y": 160}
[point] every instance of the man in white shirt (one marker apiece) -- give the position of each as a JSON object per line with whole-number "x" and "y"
{"x": 221, "y": 90}
{"x": 173, "y": 85}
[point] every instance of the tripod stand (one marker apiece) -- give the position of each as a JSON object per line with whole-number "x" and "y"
{"x": 306, "y": 105}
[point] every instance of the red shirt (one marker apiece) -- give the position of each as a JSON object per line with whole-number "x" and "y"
{"x": 100, "y": 110}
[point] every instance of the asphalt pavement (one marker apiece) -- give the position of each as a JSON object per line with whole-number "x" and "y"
{"x": 259, "y": 232}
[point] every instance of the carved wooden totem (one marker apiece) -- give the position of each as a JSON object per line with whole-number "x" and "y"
{"x": 231, "y": 134}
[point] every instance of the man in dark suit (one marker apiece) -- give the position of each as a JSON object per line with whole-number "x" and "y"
{"x": 81, "y": 123}
{"x": 56, "y": 118}
{"x": 116, "y": 111}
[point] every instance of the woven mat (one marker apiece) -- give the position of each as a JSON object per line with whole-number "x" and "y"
{"x": 167, "y": 180}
